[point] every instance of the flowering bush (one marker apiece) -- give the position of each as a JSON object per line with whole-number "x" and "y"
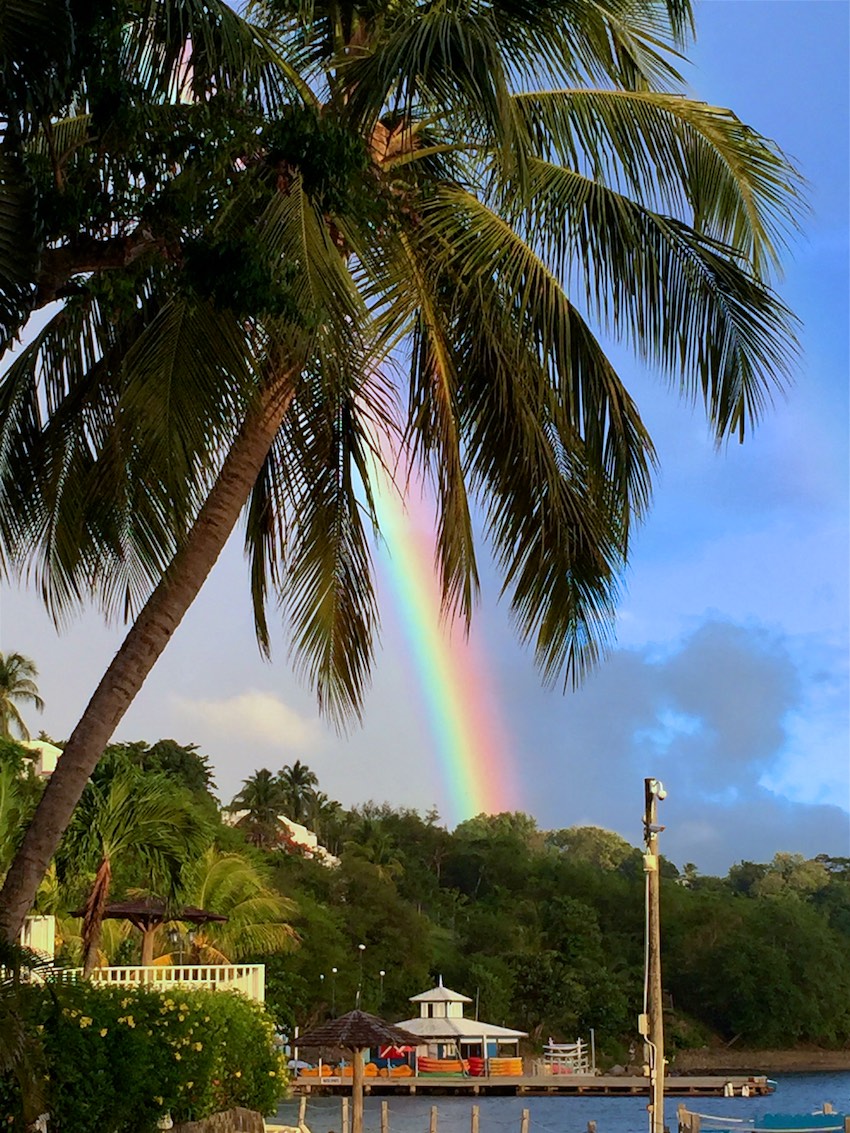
{"x": 117, "y": 1059}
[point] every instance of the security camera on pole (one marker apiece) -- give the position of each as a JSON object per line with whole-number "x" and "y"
{"x": 651, "y": 1022}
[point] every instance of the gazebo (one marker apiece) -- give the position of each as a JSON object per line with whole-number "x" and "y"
{"x": 147, "y": 914}
{"x": 357, "y": 1031}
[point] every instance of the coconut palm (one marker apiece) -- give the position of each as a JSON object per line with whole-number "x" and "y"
{"x": 441, "y": 210}
{"x": 17, "y": 685}
{"x": 263, "y": 800}
{"x": 299, "y": 784}
{"x": 258, "y": 917}
{"x": 130, "y": 816}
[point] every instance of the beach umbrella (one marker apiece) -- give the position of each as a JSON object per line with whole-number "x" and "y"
{"x": 357, "y": 1031}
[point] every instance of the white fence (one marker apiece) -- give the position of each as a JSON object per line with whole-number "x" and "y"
{"x": 250, "y": 979}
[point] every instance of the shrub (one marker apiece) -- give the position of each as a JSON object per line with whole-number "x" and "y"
{"x": 117, "y": 1059}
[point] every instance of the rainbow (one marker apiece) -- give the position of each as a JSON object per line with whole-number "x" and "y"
{"x": 469, "y": 737}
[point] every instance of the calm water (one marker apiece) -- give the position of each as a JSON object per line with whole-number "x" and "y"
{"x": 795, "y": 1093}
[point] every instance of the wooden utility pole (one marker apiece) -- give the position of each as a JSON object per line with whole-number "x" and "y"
{"x": 654, "y": 1007}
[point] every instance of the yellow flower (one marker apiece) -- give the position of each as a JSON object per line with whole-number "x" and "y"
{"x": 181, "y": 1018}
{"x": 85, "y": 1021}
{"x": 238, "y": 1074}
{"x": 178, "y": 1055}
{"x": 272, "y": 1074}
{"x": 199, "y": 1046}
{"x": 189, "y": 1085}
{"x": 158, "y": 1101}
{"x": 103, "y": 1031}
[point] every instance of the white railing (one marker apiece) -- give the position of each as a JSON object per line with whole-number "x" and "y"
{"x": 250, "y": 979}
{"x": 564, "y": 1058}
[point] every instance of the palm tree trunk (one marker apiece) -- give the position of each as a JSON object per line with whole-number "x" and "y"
{"x": 93, "y": 916}
{"x": 142, "y": 646}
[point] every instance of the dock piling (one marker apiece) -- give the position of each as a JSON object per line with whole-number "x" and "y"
{"x": 432, "y": 1128}
{"x": 523, "y": 1125}
{"x": 474, "y": 1122}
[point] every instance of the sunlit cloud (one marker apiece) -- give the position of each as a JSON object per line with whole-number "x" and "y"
{"x": 253, "y": 716}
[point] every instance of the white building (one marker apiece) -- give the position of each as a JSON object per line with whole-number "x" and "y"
{"x": 446, "y": 1033}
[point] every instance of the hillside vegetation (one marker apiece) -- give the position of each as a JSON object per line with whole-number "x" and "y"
{"x": 544, "y": 930}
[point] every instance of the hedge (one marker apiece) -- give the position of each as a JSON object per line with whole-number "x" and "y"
{"x": 115, "y": 1060}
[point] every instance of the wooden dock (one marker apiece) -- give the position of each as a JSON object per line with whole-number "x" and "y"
{"x": 544, "y": 1085}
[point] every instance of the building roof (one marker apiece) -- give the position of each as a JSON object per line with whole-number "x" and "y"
{"x": 356, "y": 1030}
{"x": 470, "y": 1030}
{"x": 440, "y": 994}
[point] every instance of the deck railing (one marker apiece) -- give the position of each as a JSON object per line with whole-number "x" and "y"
{"x": 250, "y": 979}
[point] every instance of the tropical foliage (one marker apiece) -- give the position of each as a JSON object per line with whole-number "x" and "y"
{"x": 190, "y": 1054}
{"x": 267, "y": 237}
{"x": 17, "y": 685}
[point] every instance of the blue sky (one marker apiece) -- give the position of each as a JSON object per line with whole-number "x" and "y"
{"x": 729, "y": 679}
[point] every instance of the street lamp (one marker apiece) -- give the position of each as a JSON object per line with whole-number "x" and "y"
{"x": 382, "y": 973}
{"x": 362, "y": 949}
{"x": 333, "y": 991}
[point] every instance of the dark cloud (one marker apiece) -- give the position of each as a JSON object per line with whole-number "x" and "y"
{"x": 709, "y": 717}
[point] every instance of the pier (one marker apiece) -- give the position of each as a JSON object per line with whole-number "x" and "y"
{"x": 544, "y": 1085}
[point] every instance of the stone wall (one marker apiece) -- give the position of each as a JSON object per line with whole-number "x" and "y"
{"x": 236, "y": 1120}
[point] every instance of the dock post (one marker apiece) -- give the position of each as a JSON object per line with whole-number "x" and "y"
{"x": 591, "y": 1127}
{"x": 385, "y": 1117}
{"x": 345, "y": 1115}
{"x": 302, "y": 1110}
{"x": 474, "y": 1123}
{"x": 523, "y": 1125}
{"x": 433, "y": 1125}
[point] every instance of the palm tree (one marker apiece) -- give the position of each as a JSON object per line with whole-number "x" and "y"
{"x": 299, "y": 784}
{"x": 17, "y": 684}
{"x": 441, "y": 210}
{"x": 258, "y": 917}
{"x": 137, "y": 816}
{"x": 263, "y": 799}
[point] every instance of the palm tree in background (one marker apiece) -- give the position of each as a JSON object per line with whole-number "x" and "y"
{"x": 397, "y": 186}
{"x": 17, "y": 685}
{"x": 298, "y": 784}
{"x": 258, "y": 916}
{"x": 263, "y": 799}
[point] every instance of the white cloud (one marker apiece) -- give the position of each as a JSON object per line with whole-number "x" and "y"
{"x": 253, "y": 715}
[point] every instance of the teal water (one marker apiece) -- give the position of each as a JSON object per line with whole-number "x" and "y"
{"x": 795, "y": 1093}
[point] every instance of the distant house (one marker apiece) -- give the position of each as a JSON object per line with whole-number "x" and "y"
{"x": 44, "y": 755}
{"x": 293, "y": 836}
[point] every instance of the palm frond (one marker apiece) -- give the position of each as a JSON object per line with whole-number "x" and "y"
{"x": 18, "y": 247}
{"x": 194, "y": 48}
{"x": 684, "y": 301}
{"x": 675, "y": 155}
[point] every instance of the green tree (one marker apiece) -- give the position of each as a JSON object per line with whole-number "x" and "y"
{"x": 137, "y": 815}
{"x": 17, "y": 685}
{"x": 258, "y": 918}
{"x": 298, "y": 783}
{"x": 592, "y": 844}
{"x": 417, "y": 196}
{"x": 263, "y": 800}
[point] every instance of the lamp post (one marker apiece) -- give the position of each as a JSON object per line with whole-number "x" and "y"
{"x": 361, "y": 948}
{"x": 333, "y": 991}
{"x": 382, "y": 973}
{"x": 175, "y": 938}
{"x": 651, "y": 1023}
